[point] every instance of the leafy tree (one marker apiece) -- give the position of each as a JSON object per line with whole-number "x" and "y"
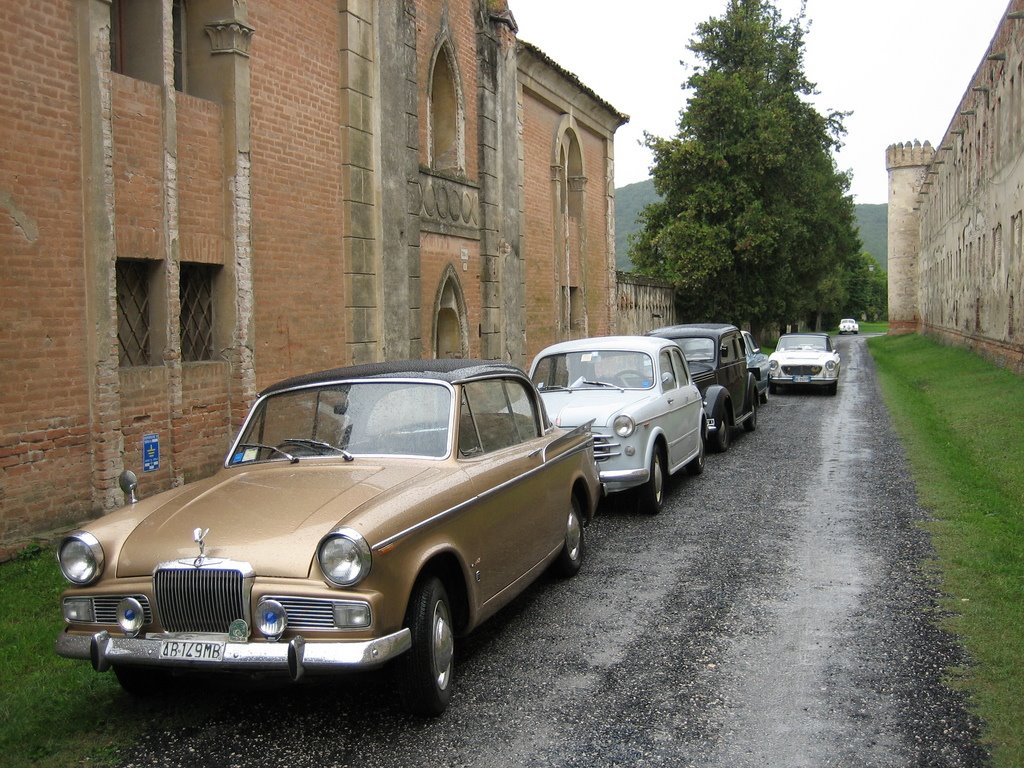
{"x": 754, "y": 219}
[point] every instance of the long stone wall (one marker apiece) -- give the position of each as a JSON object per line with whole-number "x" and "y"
{"x": 642, "y": 304}
{"x": 964, "y": 205}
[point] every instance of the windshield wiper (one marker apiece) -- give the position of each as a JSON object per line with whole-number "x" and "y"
{"x": 273, "y": 448}
{"x": 319, "y": 444}
{"x": 601, "y": 384}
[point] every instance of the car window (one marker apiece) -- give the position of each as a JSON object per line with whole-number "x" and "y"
{"x": 697, "y": 350}
{"x": 728, "y": 349}
{"x": 379, "y": 418}
{"x": 595, "y": 369}
{"x": 668, "y": 374}
{"x": 682, "y": 374}
{"x": 495, "y": 414}
{"x": 804, "y": 341}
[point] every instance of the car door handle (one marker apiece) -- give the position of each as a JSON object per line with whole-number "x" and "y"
{"x": 670, "y": 401}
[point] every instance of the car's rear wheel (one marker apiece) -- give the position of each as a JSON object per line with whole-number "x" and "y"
{"x": 722, "y": 437}
{"x": 653, "y": 491}
{"x": 751, "y": 421}
{"x": 698, "y": 462}
{"x": 425, "y": 678}
{"x": 142, "y": 682}
{"x": 762, "y": 395}
{"x": 571, "y": 557}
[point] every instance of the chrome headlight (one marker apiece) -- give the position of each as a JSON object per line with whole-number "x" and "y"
{"x": 344, "y": 557}
{"x": 130, "y": 616}
{"x": 623, "y": 426}
{"x": 81, "y": 558}
{"x": 773, "y": 364}
{"x": 271, "y": 618}
{"x": 831, "y": 365}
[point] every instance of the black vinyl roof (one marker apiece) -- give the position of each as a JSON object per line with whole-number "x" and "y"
{"x": 449, "y": 370}
{"x": 692, "y": 330}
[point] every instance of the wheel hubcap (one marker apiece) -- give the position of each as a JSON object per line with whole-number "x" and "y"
{"x": 442, "y": 645}
{"x": 658, "y": 480}
{"x": 573, "y": 535}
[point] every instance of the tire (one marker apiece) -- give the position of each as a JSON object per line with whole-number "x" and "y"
{"x": 772, "y": 389}
{"x": 762, "y": 396}
{"x": 570, "y": 559}
{"x": 142, "y": 682}
{"x": 426, "y": 669}
{"x": 833, "y": 387}
{"x": 750, "y": 424}
{"x": 722, "y": 438}
{"x": 697, "y": 463}
{"x": 652, "y": 493}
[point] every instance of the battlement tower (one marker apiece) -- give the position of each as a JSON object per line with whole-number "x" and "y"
{"x": 907, "y": 165}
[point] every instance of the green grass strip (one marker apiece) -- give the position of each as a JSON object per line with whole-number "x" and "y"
{"x": 961, "y": 421}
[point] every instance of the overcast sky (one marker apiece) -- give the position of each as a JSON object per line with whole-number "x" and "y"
{"x": 901, "y": 66}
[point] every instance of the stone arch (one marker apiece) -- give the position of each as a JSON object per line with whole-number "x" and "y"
{"x": 450, "y": 324}
{"x": 569, "y": 180}
{"x": 446, "y": 110}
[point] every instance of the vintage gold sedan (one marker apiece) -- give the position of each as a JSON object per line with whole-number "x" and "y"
{"x": 363, "y": 515}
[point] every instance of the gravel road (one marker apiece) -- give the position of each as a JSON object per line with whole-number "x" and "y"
{"x": 776, "y": 613}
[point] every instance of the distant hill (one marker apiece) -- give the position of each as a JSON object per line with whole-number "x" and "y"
{"x": 630, "y": 200}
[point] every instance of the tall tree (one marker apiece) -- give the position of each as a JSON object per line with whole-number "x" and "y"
{"x": 753, "y": 215}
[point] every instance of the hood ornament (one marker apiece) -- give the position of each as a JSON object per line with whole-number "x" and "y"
{"x": 199, "y": 537}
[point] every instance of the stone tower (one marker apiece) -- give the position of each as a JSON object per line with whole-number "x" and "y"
{"x": 907, "y": 165}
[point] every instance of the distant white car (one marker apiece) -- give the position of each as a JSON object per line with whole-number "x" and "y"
{"x": 806, "y": 359}
{"x": 648, "y": 417}
{"x": 848, "y": 325}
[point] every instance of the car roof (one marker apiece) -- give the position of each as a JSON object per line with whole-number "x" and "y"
{"x": 803, "y": 333}
{"x": 447, "y": 370}
{"x": 691, "y": 330}
{"x": 621, "y": 343}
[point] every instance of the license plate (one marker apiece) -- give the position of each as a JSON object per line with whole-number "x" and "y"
{"x": 192, "y": 650}
{"x": 801, "y": 379}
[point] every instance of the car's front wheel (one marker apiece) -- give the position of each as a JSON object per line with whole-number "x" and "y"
{"x": 571, "y": 557}
{"x": 653, "y": 491}
{"x": 426, "y": 669}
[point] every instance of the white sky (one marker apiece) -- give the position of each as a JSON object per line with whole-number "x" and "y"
{"x": 901, "y": 66}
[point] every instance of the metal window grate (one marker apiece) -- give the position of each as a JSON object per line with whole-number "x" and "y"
{"x": 196, "y": 293}
{"x": 133, "y": 312}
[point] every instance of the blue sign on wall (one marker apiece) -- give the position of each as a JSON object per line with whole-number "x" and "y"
{"x": 150, "y": 453}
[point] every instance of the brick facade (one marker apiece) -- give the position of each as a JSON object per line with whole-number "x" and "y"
{"x": 359, "y": 181}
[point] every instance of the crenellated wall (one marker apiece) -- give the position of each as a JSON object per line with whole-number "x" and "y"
{"x": 956, "y": 269}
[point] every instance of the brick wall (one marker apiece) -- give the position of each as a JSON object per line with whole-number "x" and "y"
{"x": 296, "y": 189}
{"x": 44, "y": 435}
{"x": 201, "y": 186}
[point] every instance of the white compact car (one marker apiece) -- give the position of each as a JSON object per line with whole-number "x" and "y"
{"x": 804, "y": 359}
{"x": 848, "y": 325}
{"x": 647, "y": 414}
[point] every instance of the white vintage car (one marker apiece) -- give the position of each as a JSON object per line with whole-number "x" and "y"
{"x": 647, "y": 414}
{"x": 849, "y": 325}
{"x": 804, "y": 359}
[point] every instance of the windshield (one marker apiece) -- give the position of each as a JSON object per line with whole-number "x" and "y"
{"x": 697, "y": 350}
{"x": 594, "y": 369}
{"x": 798, "y": 341}
{"x": 347, "y": 420}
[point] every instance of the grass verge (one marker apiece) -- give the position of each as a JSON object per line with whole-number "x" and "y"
{"x": 960, "y": 420}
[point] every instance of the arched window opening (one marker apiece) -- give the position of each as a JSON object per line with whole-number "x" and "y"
{"x": 446, "y": 115}
{"x": 451, "y": 339}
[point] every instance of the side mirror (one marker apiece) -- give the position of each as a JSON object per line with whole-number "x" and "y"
{"x": 129, "y": 482}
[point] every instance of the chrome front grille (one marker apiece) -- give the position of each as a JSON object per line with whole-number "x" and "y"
{"x": 205, "y": 599}
{"x": 308, "y": 612}
{"x": 105, "y": 608}
{"x": 801, "y": 370}
{"x": 605, "y": 447}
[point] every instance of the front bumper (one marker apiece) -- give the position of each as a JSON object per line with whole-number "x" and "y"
{"x": 294, "y": 657}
